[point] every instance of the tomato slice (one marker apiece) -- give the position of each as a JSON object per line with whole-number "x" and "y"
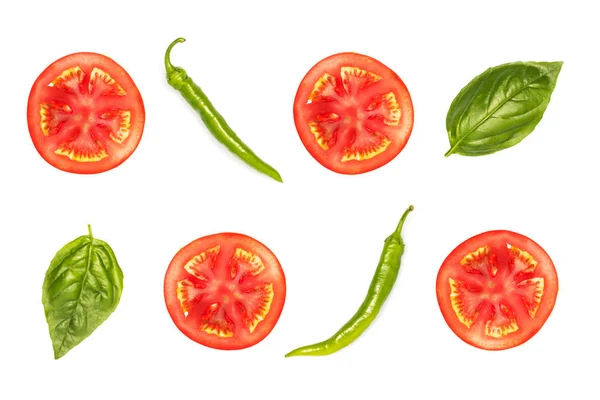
{"x": 225, "y": 291}
{"x": 85, "y": 114}
{"x": 497, "y": 289}
{"x": 353, "y": 113}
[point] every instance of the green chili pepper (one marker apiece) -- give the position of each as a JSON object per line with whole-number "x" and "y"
{"x": 178, "y": 78}
{"x": 381, "y": 286}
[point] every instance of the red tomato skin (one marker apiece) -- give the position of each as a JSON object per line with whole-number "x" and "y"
{"x": 497, "y": 240}
{"x": 332, "y": 64}
{"x": 120, "y": 153}
{"x": 228, "y": 241}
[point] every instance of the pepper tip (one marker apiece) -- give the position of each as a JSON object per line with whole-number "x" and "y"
{"x": 291, "y": 353}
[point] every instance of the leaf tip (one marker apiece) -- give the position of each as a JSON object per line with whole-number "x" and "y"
{"x": 558, "y": 64}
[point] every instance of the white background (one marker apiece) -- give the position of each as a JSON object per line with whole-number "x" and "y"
{"x": 326, "y": 229}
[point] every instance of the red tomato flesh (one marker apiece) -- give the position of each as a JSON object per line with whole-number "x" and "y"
{"x": 352, "y": 113}
{"x": 85, "y": 114}
{"x": 225, "y": 291}
{"x": 497, "y": 289}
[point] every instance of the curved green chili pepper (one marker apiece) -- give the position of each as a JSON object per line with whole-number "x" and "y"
{"x": 178, "y": 78}
{"x": 381, "y": 286}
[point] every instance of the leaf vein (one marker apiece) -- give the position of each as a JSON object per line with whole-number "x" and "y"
{"x": 67, "y": 258}
{"x": 78, "y": 301}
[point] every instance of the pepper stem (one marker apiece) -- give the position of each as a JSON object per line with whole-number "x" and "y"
{"x": 168, "y": 66}
{"x": 398, "y": 230}
{"x": 90, "y": 230}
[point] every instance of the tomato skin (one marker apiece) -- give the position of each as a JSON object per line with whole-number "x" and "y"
{"x": 228, "y": 242}
{"x": 390, "y": 81}
{"x": 497, "y": 242}
{"x": 42, "y": 92}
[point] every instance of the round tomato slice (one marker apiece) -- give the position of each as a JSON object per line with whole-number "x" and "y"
{"x": 353, "y": 113}
{"x": 497, "y": 289}
{"x": 225, "y": 291}
{"x": 85, "y": 114}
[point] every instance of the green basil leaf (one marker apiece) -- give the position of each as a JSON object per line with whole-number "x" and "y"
{"x": 82, "y": 287}
{"x": 500, "y": 107}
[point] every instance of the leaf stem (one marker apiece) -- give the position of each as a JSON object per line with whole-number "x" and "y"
{"x": 90, "y": 231}
{"x": 451, "y": 150}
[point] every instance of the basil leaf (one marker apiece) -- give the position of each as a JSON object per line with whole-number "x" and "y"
{"x": 82, "y": 287}
{"x": 500, "y": 107}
